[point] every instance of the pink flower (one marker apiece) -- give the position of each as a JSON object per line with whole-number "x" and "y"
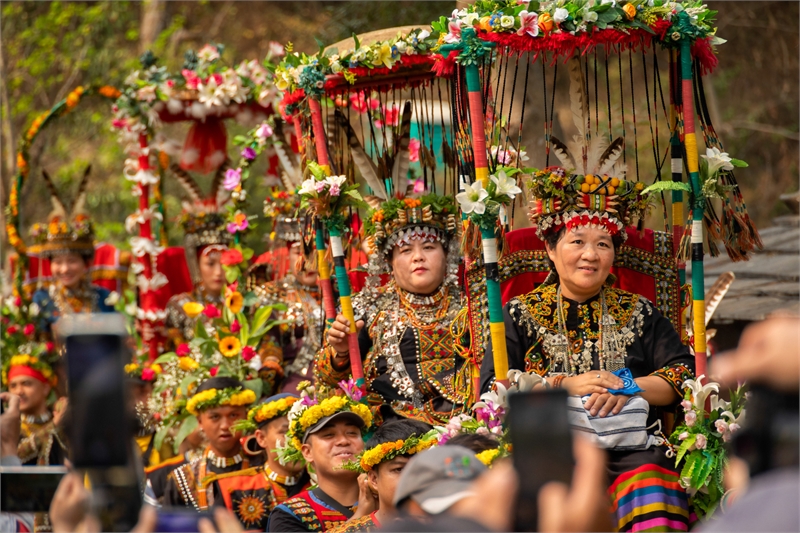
{"x": 683, "y": 436}
{"x": 334, "y": 190}
{"x": 264, "y": 131}
{"x": 236, "y": 327}
{"x": 391, "y": 115}
{"x": 276, "y": 49}
{"x": 239, "y": 223}
{"x": 12, "y": 329}
{"x": 218, "y": 79}
{"x": 690, "y": 418}
{"x": 248, "y": 153}
{"x": 50, "y": 346}
{"x": 148, "y": 374}
{"x": 192, "y": 81}
{"x": 721, "y": 426}
{"x": 211, "y": 311}
{"x": 28, "y": 330}
{"x": 351, "y": 389}
{"x": 119, "y": 123}
{"x": 482, "y": 431}
{"x": 233, "y": 177}
{"x": 213, "y": 371}
{"x": 183, "y": 349}
{"x": 319, "y": 186}
{"x": 687, "y": 405}
{"x": 455, "y": 32}
{"x": 529, "y": 23}
{"x": 248, "y": 352}
{"x": 413, "y": 149}
{"x": 701, "y": 441}
{"x": 419, "y": 186}
{"x": 358, "y": 102}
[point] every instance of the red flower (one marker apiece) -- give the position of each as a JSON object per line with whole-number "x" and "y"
{"x": 12, "y": 329}
{"x": 248, "y": 353}
{"x": 148, "y": 374}
{"x": 50, "y": 346}
{"x": 18, "y": 301}
{"x": 183, "y": 349}
{"x": 213, "y": 371}
{"x": 29, "y": 330}
{"x": 211, "y": 311}
{"x": 236, "y": 327}
{"x": 231, "y": 257}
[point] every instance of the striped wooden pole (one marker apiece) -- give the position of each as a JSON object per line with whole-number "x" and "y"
{"x": 698, "y": 207}
{"x": 324, "y": 273}
{"x": 676, "y": 155}
{"x": 477, "y": 120}
{"x": 345, "y": 300}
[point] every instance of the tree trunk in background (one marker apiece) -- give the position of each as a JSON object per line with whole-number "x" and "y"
{"x": 152, "y": 15}
{"x": 9, "y": 161}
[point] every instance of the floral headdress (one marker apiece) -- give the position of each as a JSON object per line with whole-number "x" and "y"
{"x": 387, "y": 451}
{"x": 561, "y": 199}
{"x": 264, "y": 412}
{"x": 28, "y": 365}
{"x": 208, "y": 399}
{"x": 69, "y": 230}
{"x": 142, "y": 369}
{"x": 312, "y": 408}
{"x": 399, "y": 220}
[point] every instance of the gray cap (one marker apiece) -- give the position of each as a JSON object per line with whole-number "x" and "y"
{"x": 439, "y": 477}
{"x": 343, "y": 415}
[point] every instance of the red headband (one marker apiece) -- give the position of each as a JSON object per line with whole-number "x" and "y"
{"x": 22, "y": 370}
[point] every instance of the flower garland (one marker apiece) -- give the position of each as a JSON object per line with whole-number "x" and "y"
{"x": 430, "y": 210}
{"x": 144, "y": 371}
{"x": 387, "y": 451}
{"x": 19, "y": 343}
{"x": 483, "y": 205}
{"x": 329, "y": 197}
{"x": 211, "y": 398}
{"x": 563, "y": 26}
{"x": 699, "y": 442}
{"x": 312, "y": 408}
{"x": 264, "y": 412}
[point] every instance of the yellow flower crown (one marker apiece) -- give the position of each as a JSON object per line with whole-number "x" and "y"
{"x": 300, "y": 424}
{"x": 31, "y": 361}
{"x": 389, "y": 450}
{"x": 263, "y": 412}
{"x": 211, "y": 398}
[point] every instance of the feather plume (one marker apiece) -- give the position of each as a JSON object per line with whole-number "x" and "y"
{"x": 717, "y": 293}
{"x": 187, "y": 182}
{"x": 290, "y": 170}
{"x": 218, "y": 192}
{"x": 579, "y": 105}
{"x": 363, "y": 161}
{"x": 373, "y": 201}
{"x": 80, "y": 197}
{"x": 58, "y": 206}
{"x": 610, "y": 156}
{"x": 562, "y": 153}
{"x": 402, "y": 153}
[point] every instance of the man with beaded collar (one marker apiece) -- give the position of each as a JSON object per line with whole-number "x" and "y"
{"x": 251, "y": 494}
{"x": 580, "y": 333}
{"x": 410, "y": 363}
{"x": 218, "y": 403}
{"x": 67, "y": 240}
{"x": 295, "y": 343}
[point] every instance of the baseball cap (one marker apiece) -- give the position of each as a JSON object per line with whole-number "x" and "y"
{"x": 343, "y": 415}
{"x": 439, "y": 477}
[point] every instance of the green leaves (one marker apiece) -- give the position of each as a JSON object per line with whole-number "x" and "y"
{"x": 189, "y": 425}
{"x": 661, "y": 186}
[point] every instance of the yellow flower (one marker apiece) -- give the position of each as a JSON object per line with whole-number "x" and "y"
{"x": 383, "y": 56}
{"x": 245, "y": 397}
{"x": 198, "y": 398}
{"x": 129, "y": 368}
{"x": 157, "y": 368}
{"x": 187, "y": 364}
{"x": 234, "y": 301}
{"x": 364, "y": 412}
{"x": 630, "y": 11}
{"x": 230, "y": 346}
{"x": 192, "y": 309}
{"x": 487, "y": 456}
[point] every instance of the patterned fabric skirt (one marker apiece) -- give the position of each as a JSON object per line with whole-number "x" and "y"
{"x": 647, "y": 496}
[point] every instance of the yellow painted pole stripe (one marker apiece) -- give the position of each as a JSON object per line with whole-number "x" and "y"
{"x": 699, "y": 310}
{"x": 498, "y": 333}
{"x": 322, "y": 265}
{"x": 347, "y": 311}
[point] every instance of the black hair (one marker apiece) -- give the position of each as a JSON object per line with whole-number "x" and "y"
{"x": 473, "y": 441}
{"x": 551, "y": 240}
{"x": 397, "y": 430}
{"x": 219, "y": 384}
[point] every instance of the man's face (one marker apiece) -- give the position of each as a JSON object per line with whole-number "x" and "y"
{"x": 68, "y": 269}
{"x": 32, "y": 394}
{"x": 336, "y": 443}
{"x": 270, "y": 436}
{"x": 216, "y": 424}
{"x": 384, "y": 478}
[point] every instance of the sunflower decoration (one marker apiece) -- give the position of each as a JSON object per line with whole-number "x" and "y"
{"x": 230, "y": 346}
{"x": 250, "y": 509}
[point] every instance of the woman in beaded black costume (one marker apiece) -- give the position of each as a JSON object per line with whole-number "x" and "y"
{"x": 411, "y": 366}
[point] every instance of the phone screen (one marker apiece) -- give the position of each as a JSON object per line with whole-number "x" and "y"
{"x": 542, "y": 443}
{"x": 29, "y": 491}
{"x": 99, "y": 433}
{"x": 176, "y": 520}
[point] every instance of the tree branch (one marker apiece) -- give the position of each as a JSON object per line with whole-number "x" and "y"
{"x": 764, "y": 128}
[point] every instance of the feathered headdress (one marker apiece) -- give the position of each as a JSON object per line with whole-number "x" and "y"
{"x": 69, "y": 229}
{"x": 202, "y": 220}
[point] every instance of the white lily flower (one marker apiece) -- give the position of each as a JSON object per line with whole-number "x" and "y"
{"x": 33, "y": 309}
{"x": 472, "y": 198}
{"x": 560, "y": 15}
{"x": 717, "y": 160}
{"x": 308, "y": 187}
{"x": 112, "y": 298}
{"x": 336, "y": 180}
{"x": 700, "y": 392}
{"x": 718, "y": 403}
{"x": 523, "y": 381}
{"x": 208, "y": 93}
{"x": 505, "y": 185}
{"x": 424, "y": 34}
{"x": 497, "y": 398}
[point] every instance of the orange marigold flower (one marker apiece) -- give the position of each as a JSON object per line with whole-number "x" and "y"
{"x": 630, "y": 11}
{"x": 109, "y": 91}
{"x": 412, "y": 202}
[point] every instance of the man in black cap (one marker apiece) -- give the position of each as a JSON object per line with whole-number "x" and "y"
{"x": 326, "y": 446}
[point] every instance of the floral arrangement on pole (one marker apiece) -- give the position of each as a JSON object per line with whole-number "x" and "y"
{"x": 699, "y": 442}
{"x": 226, "y": 344}
{"x": 328, "y": 197}
{"x": 483, "y": 205}
{"x": 573, "y": 23}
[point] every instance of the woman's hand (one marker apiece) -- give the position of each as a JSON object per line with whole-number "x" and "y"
{"x": 592, "y": 382}
{"x": 337, "y": 334}
{"x": 606, "y": 404}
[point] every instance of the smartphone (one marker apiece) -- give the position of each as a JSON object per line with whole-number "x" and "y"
{"x": 174, "y": 520}
{"x": 542, "y": 444}
{"x": 29, "y": 489}
{"x": 96, "y": 352}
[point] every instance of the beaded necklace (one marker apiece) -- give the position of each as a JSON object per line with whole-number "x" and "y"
{"x": 278, "y": 478}
{"x": 82, "y": 299}
{"x": 223, "y": 462}
{"x": 36, "y": 419}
